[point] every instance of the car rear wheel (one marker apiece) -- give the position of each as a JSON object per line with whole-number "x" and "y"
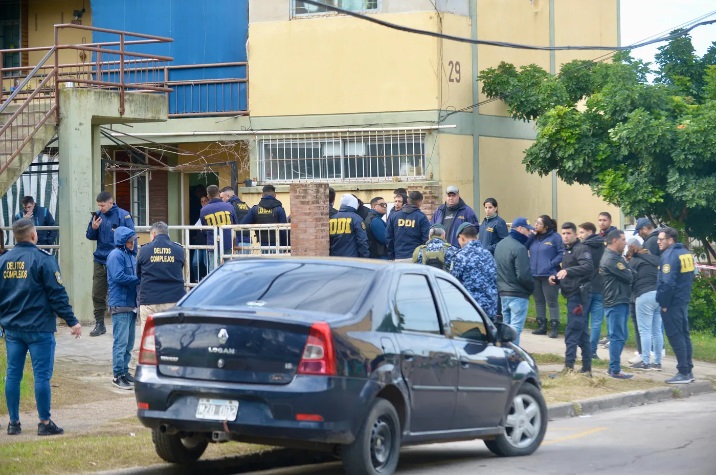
{"x": 525, "y": 424}
{"x": 174, "y": 448}
{"x": 377, "y": 446}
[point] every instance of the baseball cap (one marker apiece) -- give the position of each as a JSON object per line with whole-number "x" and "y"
{"x": 517, "y": 222}
{"x": 640, "y": 223}
{"x": 452, "y": 189}
{"x": 463, "y": 226}
{"x": 438, "y": 226}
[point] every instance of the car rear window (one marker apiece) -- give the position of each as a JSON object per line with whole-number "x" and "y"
{"x": 287, "y": 285}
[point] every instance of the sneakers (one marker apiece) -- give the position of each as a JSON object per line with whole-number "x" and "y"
{"x": 605, "y": 345}
{"x": 49, "y": 429}
{"x": 99, "y": 329}
{"x": 14, "y": 428}
{"x": 681, "y": 379}
{"x": 656, "y": 367}
{"x": 122, "y": 383}
{"x": 620, "y": 375}
{"x": 595, "y": 356}
{"x": 636, "y": 359}
{"x": 604, "y": 341}
{"x": 129, "y": 378}
{"x": 640, "y": 365}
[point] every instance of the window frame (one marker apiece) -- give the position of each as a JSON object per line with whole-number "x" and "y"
{"x": 442, "y": 327}
{"x": 293, "y": 14}
{"x": 489, "y": 336}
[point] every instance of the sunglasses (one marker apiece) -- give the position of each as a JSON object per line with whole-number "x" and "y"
{"x": 383, "y": 205}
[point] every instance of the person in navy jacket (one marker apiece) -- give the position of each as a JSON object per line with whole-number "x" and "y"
{"x": 217, "y": 213}
{"x": 546, "y": 251}
{"x": 453, "y": 213}
{"x": 406, "y": 229}
{"x": 673, "y": 293}
{"x": 347, "y": 230}
{"x": 160, "y": 268}
{"x": 493, "y": 228}
{"x": 40, "y": 217}
{"x": 101, "y": 229}
{"x": 31, "y": 293}
{"x": 123, "y": 283}
{"x": 268, "y": 211}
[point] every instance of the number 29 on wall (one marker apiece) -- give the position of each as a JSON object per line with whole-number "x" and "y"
{"x": 454, "y": 71}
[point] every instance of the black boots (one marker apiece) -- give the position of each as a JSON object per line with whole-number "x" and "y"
{"x": 99, "y": 329}
{"x": 542, "y": 329}
{"x": 554, "y": 326}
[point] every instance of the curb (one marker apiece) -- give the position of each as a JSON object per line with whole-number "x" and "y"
{"x": 630, "y": 399}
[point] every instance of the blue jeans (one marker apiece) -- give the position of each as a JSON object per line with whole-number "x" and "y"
{"x": 617, "y": 317}
{"x": 514, "y": 313}
{"x": 596, "y": 314}
{"x": 41, "y": 346}
{"x": 648, "y": 316}
{"x": 123, "y": 329}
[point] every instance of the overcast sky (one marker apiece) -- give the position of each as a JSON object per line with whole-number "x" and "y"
{"x": 641, "y": 19}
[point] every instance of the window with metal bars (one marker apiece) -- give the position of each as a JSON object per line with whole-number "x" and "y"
{"x": 362, "y": 158}
{"x": 303, "y": 8}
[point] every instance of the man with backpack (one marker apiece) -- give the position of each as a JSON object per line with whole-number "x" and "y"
{"x": 437, "y": 252}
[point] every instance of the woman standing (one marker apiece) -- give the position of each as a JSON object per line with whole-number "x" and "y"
{"x": 648, "y": 313}
{"x": 493, "y": 228}
{"x": 546, "y": 251}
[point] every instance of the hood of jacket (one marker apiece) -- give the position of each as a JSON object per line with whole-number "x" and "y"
{"x": 234, "y": 199}
{"x": 269, "y": 202}
{"x": 346, "y": 208}
{"x": 121, "y": 235}
{"x": 407, "y": 209}
{"x": 595, "y": 241}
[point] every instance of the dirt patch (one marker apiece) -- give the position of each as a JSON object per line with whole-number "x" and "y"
{"x": 575, "y": 387}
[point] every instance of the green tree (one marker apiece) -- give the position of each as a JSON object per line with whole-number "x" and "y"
{"x": 649, "y": 148}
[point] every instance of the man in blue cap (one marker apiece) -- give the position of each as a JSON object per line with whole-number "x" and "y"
{"x": 475, "y": 268}
{"x": 514, "y": 277}
{"x": 645, "y": 229}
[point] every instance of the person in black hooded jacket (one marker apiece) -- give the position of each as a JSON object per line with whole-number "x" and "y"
{"x": 406, "y": 229}
{"x": 596, "y": 244}
{"x": 347, "y": 230}
{"x": 268, "y": 211}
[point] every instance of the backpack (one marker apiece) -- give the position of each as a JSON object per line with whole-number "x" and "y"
{"x": 435, "y": 258}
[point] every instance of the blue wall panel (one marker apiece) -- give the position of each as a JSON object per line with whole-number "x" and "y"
{"x": 204, "y": 32}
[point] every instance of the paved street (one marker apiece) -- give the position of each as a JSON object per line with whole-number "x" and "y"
{"x": 671, "y": 437}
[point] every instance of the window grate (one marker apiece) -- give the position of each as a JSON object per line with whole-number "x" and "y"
{"x": 364, "y": 6}
{"x": 376, "y": 155}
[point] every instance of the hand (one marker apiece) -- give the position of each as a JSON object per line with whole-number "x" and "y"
{"x": 663, "y": 309}
{"x": 552, "y": 280}
{"x": 96, "y": 221}
{"x": 27, "y": 215}
{"x": 77, "y": 330}
{"x": 562, "y": 274}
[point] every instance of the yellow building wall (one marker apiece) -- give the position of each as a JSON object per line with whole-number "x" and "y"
{"x": 456, "y": 64}
{"x": 578, "y": 204}
{"x": 334, "y": 65}
{"x": 503, "y": 177}
{"x": 601, "y": 27}
{"x": 43, "y": 15}
{"x": 514, "y": 21}
{"x": 456, "y": 164}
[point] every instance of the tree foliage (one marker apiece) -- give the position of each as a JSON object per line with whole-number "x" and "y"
{"x": 649, "y": 148}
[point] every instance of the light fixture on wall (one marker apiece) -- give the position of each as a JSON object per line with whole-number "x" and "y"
{"x": 77, "y": 14}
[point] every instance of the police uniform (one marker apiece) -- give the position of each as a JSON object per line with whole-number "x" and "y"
{"x": 475, "y": 268}
{"x": 406, "y": 230}
{"x": 160, "y": 268}
{"x": 268, "y": 211}
{"x": 673, "y": 293}
{"x": 348, "y": 237}
{"x": 241, "y": 209}
{"x": 31, "y": 293}
{"x": 577, "y": 261}
{"x": 104, "y": 235}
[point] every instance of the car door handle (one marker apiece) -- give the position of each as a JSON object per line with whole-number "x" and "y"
{"x": 465, "y": 363}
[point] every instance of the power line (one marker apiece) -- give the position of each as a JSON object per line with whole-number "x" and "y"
{"x": 504, "y": 44}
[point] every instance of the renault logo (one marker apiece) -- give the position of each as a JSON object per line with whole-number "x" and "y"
{"x": 223, "y": 335}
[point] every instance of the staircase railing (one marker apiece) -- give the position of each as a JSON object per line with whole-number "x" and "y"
{"x": 34, "y": 96}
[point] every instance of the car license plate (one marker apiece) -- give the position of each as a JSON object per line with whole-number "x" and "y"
{"x": 217, "y": 409}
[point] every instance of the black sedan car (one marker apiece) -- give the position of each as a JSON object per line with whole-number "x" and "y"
{"x": 354, "y": 356}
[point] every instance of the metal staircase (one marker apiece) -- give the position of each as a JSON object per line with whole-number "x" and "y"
{"x": 30, "y": 114}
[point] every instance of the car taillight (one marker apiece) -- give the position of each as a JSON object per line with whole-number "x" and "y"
{"x": 147, "y": 347}
{"x": 318, "y": 354}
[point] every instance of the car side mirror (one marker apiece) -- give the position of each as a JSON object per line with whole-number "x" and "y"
{"x": 506, "y": 333}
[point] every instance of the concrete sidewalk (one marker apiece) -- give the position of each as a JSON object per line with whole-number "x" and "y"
{"x": 543, "y": 344}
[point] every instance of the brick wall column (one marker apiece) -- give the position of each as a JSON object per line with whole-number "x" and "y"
{"x": 309, "y": 219}
{"x": 432, "y": 198}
